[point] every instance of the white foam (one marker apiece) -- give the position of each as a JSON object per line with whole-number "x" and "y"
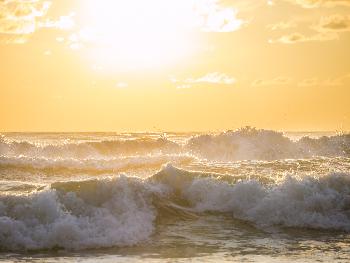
{"x": 115, "y": 212}
{"x": 253, "y": 144}
{"x": 90, "y": 149}
{"x": 91, "y": 163}
{"x": 243, "y": 144}
{"x": 321, "y": 203}
{"x": 121, "y": 211}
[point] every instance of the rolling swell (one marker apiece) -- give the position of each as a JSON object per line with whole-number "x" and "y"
{"x": 123, "y": 211}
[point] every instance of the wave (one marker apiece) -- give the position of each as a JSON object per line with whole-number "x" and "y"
{"x": 89, "y": 149}
{"x": 76, "y": 215}
{"x": 91, "y": 165}
{"x": 123, "y": 211}
{"x": 253, "y": 144}
{"x": 243, "y": 144}
{"x": 313, "y": 202}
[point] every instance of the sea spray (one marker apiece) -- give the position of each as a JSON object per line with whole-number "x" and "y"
{"x": 123, "y": 211}
{"x": 243, "y": 144}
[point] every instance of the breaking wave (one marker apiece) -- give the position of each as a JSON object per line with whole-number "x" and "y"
{"x": 76, "y": 215}
{"x": 89, "y": 149}
{"x": 243, "y": 144}
{"x": 253, "y": 144}
{"x": 90, "y": 165}
{"x": 123, "y": 211}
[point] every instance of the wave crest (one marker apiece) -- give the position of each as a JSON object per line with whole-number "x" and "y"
{"x": 253, "y": 144}
{"x": 313, "y": 202}
{"x": 89, "y": 149}
{"x": 243, "y": 144}
{"x": 122, "y": 211}
{"x": 76, "y": 215}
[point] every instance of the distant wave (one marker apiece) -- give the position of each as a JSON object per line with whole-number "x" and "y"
{"x": 90, "y": 165}
{"x": 250, "y": 143}
{"x": 243, "y": 144}
{"x": 89, "y": 149}
{"x": 123, "y": 211}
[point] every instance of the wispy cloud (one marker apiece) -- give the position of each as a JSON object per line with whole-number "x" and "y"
{"x": 19, "y": 18}
{"x": 326, "y": 29}
{"x": 13, "y": 39}
{"x": 282, "y": 25}
{"x": 333, "y": 82}
{"x": 62, "y": 23}
{"x": 333, "y": 23}
{"x": 215, "y": 18}
{"x": 320, "y": 3}
{"x": 279, "y": 81}
{"x": 213, "y": 78}
{"x": 216, "y": 78}
{"x": 299, "y": 38}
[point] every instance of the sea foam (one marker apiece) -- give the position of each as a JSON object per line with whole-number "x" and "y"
{"x": 313, "y": 202}
{"x": 123, "y": 211}
{"x": 78, "y": 215}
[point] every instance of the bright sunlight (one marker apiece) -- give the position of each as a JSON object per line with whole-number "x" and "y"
{"x": 175, "y": 131}
{"x": 139, "y": 34}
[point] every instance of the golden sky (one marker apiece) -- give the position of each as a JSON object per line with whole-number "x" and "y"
{"x": 174, "y": 65}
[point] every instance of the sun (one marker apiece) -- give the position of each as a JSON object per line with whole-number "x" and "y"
{"x": 138, "y": 34}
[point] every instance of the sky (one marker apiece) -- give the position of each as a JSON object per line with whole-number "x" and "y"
{"x": 174, "y": 65}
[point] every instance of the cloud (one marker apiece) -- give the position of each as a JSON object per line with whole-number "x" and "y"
{"x": 330, "y": 82}
{"x": 213, "y": 17}
{"x": 279, "y": 81}
{"x": 282, "y": 25}
{"x": 13, "y": 39}
{"x": 310, "y": 82}
{"x": 19, "y": 17}
{"x": 328, "y": 28}
{"x": 213, "y": 78}
{"x": 74, "y": 41}
{"x": 62, "y": 23}
{"x": 333, "y": 23}
{"x": 299, "y": 38}
{"x": 320, "y": 3}
{"x": 210, "y": 78}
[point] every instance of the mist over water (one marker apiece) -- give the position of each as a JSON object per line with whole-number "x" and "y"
{"x": 238, "y": 195}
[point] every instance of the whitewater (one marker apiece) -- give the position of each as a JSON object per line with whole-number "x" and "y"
{"x": 245, "y": 195}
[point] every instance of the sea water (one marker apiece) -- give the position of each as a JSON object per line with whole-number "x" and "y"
{"x": 241, "y": 196}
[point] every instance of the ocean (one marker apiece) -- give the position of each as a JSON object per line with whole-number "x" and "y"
{"x": 240, "y": 196}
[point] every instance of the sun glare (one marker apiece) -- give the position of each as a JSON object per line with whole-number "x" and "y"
{"x": 138, "y": 34}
